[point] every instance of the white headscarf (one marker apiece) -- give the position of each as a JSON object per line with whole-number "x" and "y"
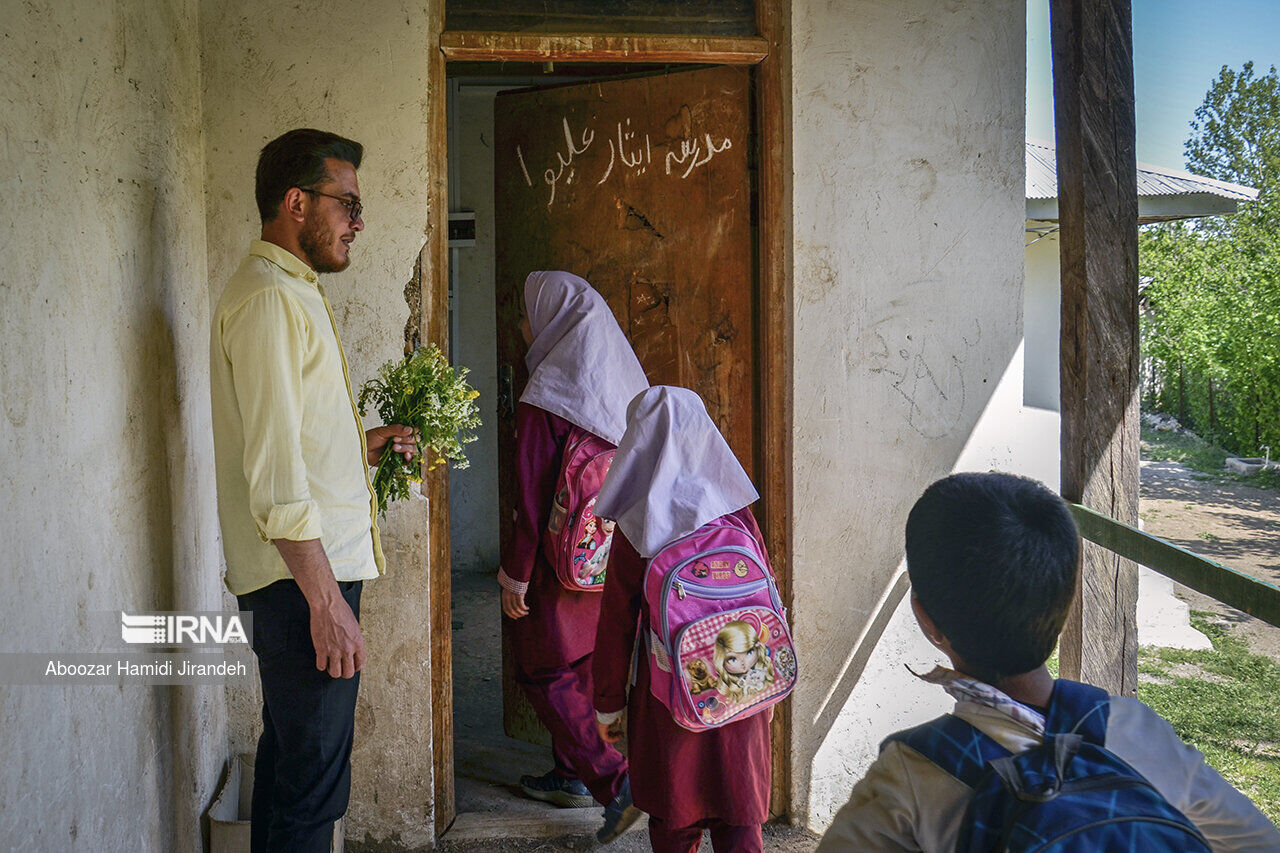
{"x": 673, "y": 471}
{"x": 581, "y": 366}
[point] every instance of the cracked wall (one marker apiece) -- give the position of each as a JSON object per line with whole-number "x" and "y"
{"x": 269, "y": 67}
{"x": 106, "y": 434}
{"x": 908, "y": 159}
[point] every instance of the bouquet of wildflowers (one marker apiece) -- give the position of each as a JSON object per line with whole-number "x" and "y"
{"x": 427, "y": 393}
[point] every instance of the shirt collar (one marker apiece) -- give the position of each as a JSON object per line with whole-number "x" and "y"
{"x": 283, "y": 258}
{"x": 962, "y": 688}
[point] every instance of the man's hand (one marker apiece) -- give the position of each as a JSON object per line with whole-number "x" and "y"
{"x": 612, "y": 732}
{"x": 337, "y": 638}
{"x": 513, "y": 604}
{"x": 402, "y": 441}
{"x": 334, "y": 629}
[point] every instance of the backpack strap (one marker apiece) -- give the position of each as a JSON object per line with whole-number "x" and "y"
{"x": 1077, "y": 708}
{"x": 953, "y": 745}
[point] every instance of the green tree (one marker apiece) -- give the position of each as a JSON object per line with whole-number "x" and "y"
{"x": 1211, "y": 330}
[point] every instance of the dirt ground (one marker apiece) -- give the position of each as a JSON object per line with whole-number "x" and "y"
{"x": 1230, "y": 523}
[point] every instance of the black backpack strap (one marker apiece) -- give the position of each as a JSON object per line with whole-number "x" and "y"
{"x": 1077, "y": 708}
{"x": 953, "y": 745}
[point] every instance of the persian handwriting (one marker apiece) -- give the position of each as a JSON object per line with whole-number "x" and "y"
{"x": 565, "y": 161}
{"x": 692, "y": 150}
{"x": 639, "y": 158}
{"x": 629, "y": 150}
{"x": 520, "y": 156}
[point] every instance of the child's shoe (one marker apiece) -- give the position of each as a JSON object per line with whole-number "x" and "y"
{"x": 553, "y": 788}
{"x": 618, "y": 815}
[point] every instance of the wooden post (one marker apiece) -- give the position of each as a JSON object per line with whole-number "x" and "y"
{"x": 434, "y": 260}
{"x": 1098, "y": 210}
{"x": 773, "y": 97}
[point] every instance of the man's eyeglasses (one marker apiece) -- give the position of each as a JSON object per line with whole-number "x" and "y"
{"x": 353, "y": 206}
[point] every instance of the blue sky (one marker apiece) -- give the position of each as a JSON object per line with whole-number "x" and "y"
{"x": 1179, "y": 47}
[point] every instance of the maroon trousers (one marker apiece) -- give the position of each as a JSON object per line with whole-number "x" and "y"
{"x": 725, "y": 837}
{"x": 561, "y": 697}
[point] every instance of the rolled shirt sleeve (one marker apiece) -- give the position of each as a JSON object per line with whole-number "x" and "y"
{"x": 264, "y": 340}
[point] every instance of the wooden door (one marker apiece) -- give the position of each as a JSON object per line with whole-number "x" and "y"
{"x": 643, "y": 187}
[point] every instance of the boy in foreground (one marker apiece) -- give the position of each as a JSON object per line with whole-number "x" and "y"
{"x": 993, "y": 561}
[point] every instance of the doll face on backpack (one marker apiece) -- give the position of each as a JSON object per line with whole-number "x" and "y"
{"x": 742, "y": 661}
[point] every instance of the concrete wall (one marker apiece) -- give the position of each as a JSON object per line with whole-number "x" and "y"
{"x": 908, "y": 125}
{"x": 106, "y": 438}
{"x": 269, "y": 67}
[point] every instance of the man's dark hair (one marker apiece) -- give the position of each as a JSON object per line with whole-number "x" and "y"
{"x": 993, "y": 561}
{"x": 296, "y": 159}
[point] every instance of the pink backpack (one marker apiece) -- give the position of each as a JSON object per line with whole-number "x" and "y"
{"x": 719, "y": 646}
{"x": 577, "y": 542}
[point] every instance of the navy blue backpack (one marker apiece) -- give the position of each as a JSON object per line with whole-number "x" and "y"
{"x": 1069, "y": 795}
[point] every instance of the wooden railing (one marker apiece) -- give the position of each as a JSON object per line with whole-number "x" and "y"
{"x": 1255, "y": 597}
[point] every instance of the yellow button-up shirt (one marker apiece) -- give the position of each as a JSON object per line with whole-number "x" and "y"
{"x": 289, "y": 443}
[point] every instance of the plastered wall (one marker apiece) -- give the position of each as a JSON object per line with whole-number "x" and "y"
{"x": 908, "y": 157}
{"x": 358, "y": 71}
{"x": 109, "y": 500}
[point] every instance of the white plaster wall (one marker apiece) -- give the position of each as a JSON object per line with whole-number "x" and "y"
{"x": 473, "y": 492}
{"x": 106, "y": 437}
{"x": 1043, "y": 320}
{"x": 362, "y": 72}
{"x": 909, "y": 217}
{"x": 1008, "y": 437}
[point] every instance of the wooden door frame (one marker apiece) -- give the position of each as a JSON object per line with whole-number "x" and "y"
{"x": 770, "y": 52}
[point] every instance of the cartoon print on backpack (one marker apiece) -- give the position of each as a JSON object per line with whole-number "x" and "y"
{"x": 742, "y": 661}
{"x": 700, "y": 678}
{"x": 784, "y": 662}
{"x": 592, "y": 571}
{"x": 586, "y": 546}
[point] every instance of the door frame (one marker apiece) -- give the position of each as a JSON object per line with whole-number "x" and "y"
{"x": 770, "y": 53}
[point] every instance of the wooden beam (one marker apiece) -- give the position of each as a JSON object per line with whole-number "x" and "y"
{"x": 773, "y": 98}
{"x": 1243, "y": 592}
{"x": 1098, "y": 208}
{"x": 563, "y": 47}
{"x": 434, "y": 260}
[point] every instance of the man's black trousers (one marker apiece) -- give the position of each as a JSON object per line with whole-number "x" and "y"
{"x": 302, "y": 775}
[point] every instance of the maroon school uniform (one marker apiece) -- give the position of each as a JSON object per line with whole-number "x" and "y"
{"x": 681, "y": 777}
{"x": 552, "y": 645}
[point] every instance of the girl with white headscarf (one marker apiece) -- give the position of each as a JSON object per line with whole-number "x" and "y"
{"x": 672, "y": 474}
{"x": 582, "y": 373}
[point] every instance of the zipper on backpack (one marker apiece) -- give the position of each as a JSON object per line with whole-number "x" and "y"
{"x": 669, "y": 582}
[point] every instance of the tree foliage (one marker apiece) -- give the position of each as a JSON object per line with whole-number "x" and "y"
{"x": 1211, "y": 328}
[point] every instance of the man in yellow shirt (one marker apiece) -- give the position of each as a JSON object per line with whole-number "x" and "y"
{"x": 298, "y": 513}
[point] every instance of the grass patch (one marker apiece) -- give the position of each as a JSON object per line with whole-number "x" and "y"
{"x": 1200, "y": 455}
{"x": 1227, "y": 710}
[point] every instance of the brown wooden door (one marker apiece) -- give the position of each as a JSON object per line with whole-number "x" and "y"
{"x": 643, "y": 187}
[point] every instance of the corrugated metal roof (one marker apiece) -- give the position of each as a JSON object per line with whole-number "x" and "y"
{"x": 1153, "y": 181}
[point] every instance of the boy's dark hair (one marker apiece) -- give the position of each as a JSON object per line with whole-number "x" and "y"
{"x": 296, "y": 159}
{"x": 993, "y": 561}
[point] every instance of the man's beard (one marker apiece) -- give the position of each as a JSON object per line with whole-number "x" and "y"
{"x": 316, "y": 241}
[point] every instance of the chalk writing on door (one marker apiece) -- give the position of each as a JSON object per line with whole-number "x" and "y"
{"x": 630, "y": 152}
